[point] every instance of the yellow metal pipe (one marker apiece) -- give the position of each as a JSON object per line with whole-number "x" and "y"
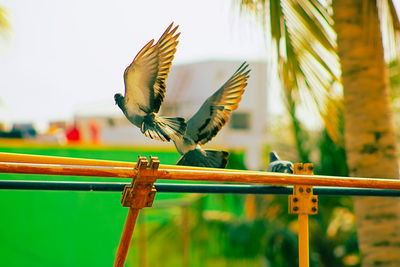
{"x": 26, "y": 158}
{"x": 40, "y": 159}
{"x": 303, "y": 241}
{"x": 200, "y": 174}
{"x": 73, "y": 170}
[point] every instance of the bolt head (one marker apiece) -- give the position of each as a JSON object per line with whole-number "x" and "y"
{"x": 300, "y": 167}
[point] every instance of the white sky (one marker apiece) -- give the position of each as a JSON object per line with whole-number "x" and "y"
{"x": 65, "y": 55}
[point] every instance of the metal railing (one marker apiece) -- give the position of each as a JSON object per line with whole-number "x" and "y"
{"x": 192, "y": 188}
{"x": 141, "y": 191}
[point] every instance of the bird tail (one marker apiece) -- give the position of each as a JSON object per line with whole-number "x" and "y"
{"x": 204, "y": 158}
{"x": 164, "y": 128}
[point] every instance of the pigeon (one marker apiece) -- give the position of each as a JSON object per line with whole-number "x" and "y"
{"x": 207, "y": 122}
{"x": 145, "y": 89}
{"x": 277, "y": 165}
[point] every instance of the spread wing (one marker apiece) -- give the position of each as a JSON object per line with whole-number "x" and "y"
{"x": 215, "y": 111}
{"x": 167, "y": 48}
{"x": 145, "y": 76}
{"x": 140, "y": 77}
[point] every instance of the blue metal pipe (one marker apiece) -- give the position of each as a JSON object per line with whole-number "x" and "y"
{"x": 190, "y": 188}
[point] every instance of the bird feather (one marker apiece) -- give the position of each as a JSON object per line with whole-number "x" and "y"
{"x": 145, "y": 76}
{"x": 215, "y": 111}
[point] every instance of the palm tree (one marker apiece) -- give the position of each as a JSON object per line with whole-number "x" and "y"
{"x": 303, "y": 33}
{"x": 371, "y": 143}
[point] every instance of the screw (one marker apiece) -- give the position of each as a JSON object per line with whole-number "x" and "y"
{"x": 300, "y": 167}
{"x": 301, "y": 189}
{"x": 308, "y": 190}
{"x": 295, "y": 199}
{"x": 314, "y": 200}
{"x": 295, "y": 208}
{"x": 314, "y": 209}
{"x": 310, "y": 167}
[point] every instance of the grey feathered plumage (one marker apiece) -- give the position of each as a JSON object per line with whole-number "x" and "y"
{"x": 145, "y": 89}
{"x": 208, "y": 121}
{"x": 277, "y": 165}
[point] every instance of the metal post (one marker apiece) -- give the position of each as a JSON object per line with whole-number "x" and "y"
{"x": 303, "y": 203}
{"x": 126, "y": 237}
{"x": 136, "y": 196}
{"x": 303, "y": 241}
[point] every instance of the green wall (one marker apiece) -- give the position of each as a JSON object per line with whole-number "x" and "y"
{"x": 59, "y": 228}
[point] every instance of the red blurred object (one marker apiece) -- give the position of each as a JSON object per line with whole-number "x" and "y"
{"x": 94, "y": 132}
{"x": 73, "y": 135}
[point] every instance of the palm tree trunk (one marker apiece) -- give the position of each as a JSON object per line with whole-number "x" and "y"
{"x": 371, "y": 144}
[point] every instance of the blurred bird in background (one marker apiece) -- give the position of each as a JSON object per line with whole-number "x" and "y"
{"x": 277, "y": 165}
{"x": 207, "y": 122}
{"x": 145, "y": 89}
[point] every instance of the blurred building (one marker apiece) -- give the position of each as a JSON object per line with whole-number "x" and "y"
{"x": 93, "y": 127}
{"x": 18, "y": 131}
{"x": 188, "y": 86}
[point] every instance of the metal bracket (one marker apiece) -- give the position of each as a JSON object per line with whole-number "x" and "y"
{"x": 141, "y": 192}
{"x": 303, "y": 201}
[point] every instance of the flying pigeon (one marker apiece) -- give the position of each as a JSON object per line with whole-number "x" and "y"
{"x": 277, "y": 165}
{"x": 207, "y": 122}
{"x": 145, "y": 89}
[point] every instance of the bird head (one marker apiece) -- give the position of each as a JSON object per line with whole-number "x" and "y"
{"x": 277, "y": 165}
{"x": 117, "y": 97}
{"x": 119, "y": 100}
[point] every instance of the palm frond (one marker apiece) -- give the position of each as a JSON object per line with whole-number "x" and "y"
{"x": 390, "y": 28}
{"x": 305, "y": 44}
{"x": 4, "y": 21}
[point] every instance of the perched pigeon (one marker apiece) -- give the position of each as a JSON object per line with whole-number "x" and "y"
{"x": 208, "y": 120}
{"x": 145, "y": 88}
{"x": 277, "y": 165}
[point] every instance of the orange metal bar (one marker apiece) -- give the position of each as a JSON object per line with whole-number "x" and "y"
{"x": 39, "y": 159}
{"x": 217, "y": 175}
{"x": 126, "y": 237}
{"x": 75, "y": 170}
{"x": 26, "y": 158}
